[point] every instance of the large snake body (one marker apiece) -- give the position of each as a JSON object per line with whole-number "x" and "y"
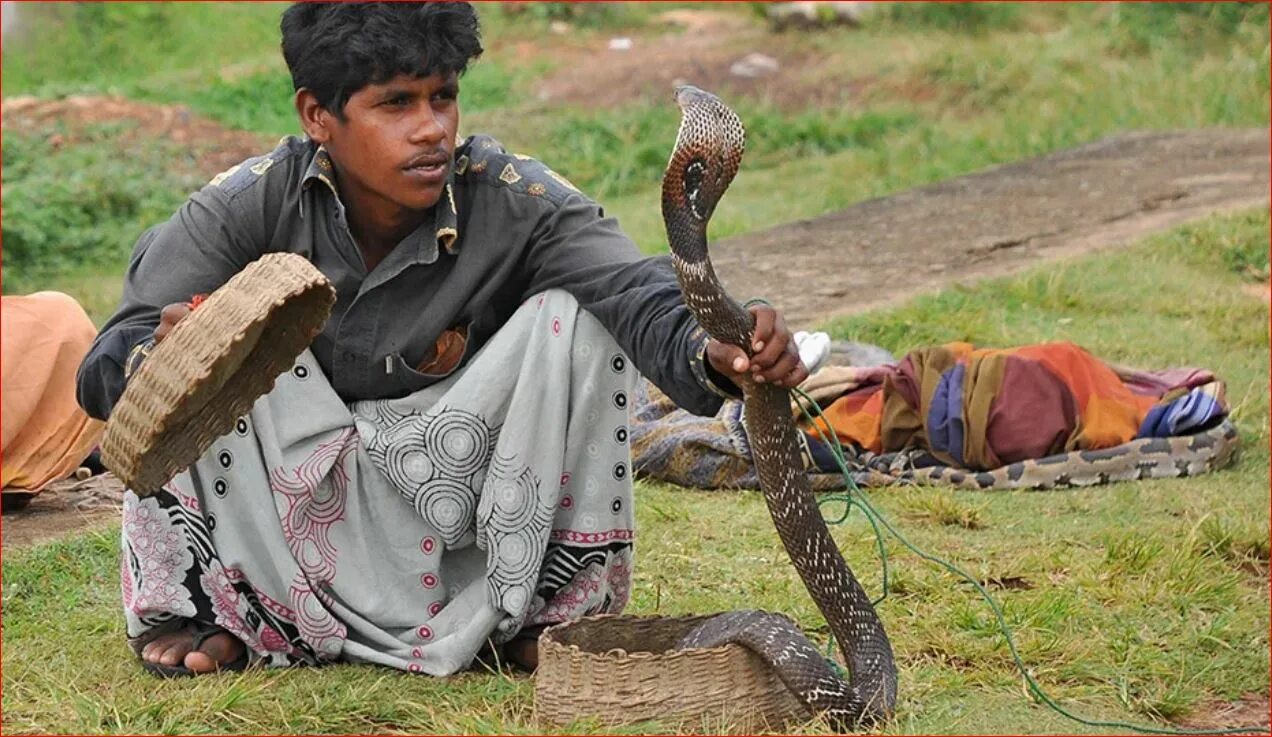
{"x": 706, "y": 156}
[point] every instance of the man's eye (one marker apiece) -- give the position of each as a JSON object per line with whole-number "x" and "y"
{"x": 397, "y": 101}
{"x": 446, "y": 94}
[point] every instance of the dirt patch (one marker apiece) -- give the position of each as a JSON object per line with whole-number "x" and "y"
{"x": 213, "y": 147}
{"x": 729, "y": 54}
{"x": 1262, "y": 291}
{"x": 996, "y": 222}
{"x": 1251, "y": 710}
{"x": 64, "y": 507}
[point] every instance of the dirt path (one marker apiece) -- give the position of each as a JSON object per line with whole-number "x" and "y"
{"x": 999, "y": 221}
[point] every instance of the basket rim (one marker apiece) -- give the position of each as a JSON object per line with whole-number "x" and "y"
{"x": 173, "y": 386}
{"x": 618, "y": 654}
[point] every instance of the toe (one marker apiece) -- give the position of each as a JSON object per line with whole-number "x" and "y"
{"x": 215, "y": 651}
{"x": 155, "y": 650}
{"x": 150, "y": 653}
{"x": 174, "y": 654}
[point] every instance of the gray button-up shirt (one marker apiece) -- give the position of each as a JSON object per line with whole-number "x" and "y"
{"x": 507, "y": 227}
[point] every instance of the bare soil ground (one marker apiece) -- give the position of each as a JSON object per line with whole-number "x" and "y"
{"x": 879, "y": 252}
{"x": 794, "y": 75}
{"x": 1000, "y": 221}
{"x": 64, "y": 507}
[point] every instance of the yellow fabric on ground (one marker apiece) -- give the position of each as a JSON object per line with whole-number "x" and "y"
{"x": 45, "y": 435}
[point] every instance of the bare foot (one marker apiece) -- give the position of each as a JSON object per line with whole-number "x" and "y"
{"x": 523, "y": 652}
{"x": 176, "y": 648}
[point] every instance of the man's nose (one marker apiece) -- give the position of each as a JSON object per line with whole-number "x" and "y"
{"x": 428, "y": 128}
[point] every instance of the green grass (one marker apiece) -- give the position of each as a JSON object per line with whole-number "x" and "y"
{"x": 1128, "y": 602}
{"x": 119, "y": 46}
{"x": 89, "y": 207}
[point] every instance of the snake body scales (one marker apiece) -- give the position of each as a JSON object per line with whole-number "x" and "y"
{"x": 706, "y": 156}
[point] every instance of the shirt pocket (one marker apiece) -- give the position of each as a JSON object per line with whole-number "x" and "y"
{"x": 406, "y": 377}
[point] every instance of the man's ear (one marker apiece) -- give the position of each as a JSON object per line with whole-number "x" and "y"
{"x": 314, "y": 118}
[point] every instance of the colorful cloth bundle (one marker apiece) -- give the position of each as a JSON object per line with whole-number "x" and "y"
{"x": 950, "y": 405}
{"x": 984, "y": 408}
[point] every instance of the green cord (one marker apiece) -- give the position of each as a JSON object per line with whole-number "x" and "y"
{"x": 855, "y": 497}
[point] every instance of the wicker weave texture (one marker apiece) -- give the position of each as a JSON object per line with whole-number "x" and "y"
{"x": 212, "y": 368}
{"x": 622, "y": 669}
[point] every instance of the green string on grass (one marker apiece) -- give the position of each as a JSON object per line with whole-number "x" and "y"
{"x": 855, "y": 497}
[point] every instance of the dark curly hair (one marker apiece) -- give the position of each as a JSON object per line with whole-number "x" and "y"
{"x": 336, "y": 49}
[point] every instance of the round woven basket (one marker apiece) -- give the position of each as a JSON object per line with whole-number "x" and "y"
{"x": 212, "y": 367}
{"x": 617, "y": 670}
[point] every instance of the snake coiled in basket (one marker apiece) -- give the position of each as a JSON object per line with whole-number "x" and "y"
{"x": 707, "y": 154}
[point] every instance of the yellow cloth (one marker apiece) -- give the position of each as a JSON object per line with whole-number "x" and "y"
{"x": 45, "y": 434}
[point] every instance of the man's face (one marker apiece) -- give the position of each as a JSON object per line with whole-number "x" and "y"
{"x": 396, "y": 144}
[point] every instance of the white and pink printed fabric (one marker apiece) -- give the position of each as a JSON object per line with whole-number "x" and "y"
{"x": 406, "y": 532}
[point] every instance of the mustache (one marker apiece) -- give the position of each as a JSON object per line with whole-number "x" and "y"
{"x": 434, "y": 157}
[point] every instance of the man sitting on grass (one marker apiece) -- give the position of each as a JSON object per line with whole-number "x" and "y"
{"x": 448, "y": 464}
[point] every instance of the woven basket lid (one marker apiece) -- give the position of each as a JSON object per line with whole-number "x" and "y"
{"x": 616, "y": 670}
{"x": 212, "y": 367}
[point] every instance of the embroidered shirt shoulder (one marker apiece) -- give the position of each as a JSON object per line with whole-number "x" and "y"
{"x": 242, "y": 176}
{"x": 484, "y": 160}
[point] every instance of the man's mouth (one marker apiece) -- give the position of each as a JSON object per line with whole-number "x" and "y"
{"x": 428, "y": 165}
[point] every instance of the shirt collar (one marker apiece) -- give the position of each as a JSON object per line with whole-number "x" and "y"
{"x": 445, "y": 215}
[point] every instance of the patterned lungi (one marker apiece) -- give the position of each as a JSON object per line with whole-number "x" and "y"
{"x": 406, "y": 532}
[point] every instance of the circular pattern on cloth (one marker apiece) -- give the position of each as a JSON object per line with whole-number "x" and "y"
{"x": 515, "y": 553}
{"x": 620, "y": 435}
{"x": 620, "y": 399}
{"x": 515, "y": 599}
{"x": 459, "y": 443}
{"x": 620, "y": 471}
{"x": 241, "y": 427}
{"x": 326, "y": 503}
{"x": 401, "y": 462}
{"x": 618, "y": 363}
{"x": 220, "y": 487}
{"x": 514, "y": 502}
{"x": 448, "y": 506}
{"x": 384, "y": 413}
{"x": 301, "y": 372}
{"x": 226, "y": 459}
{"x": 415, "y": 465}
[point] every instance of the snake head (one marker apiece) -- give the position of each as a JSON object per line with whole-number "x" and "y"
{"x": 707, "y": 154}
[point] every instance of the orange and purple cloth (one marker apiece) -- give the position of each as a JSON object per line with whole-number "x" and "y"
{"x": 984, "y": 408}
